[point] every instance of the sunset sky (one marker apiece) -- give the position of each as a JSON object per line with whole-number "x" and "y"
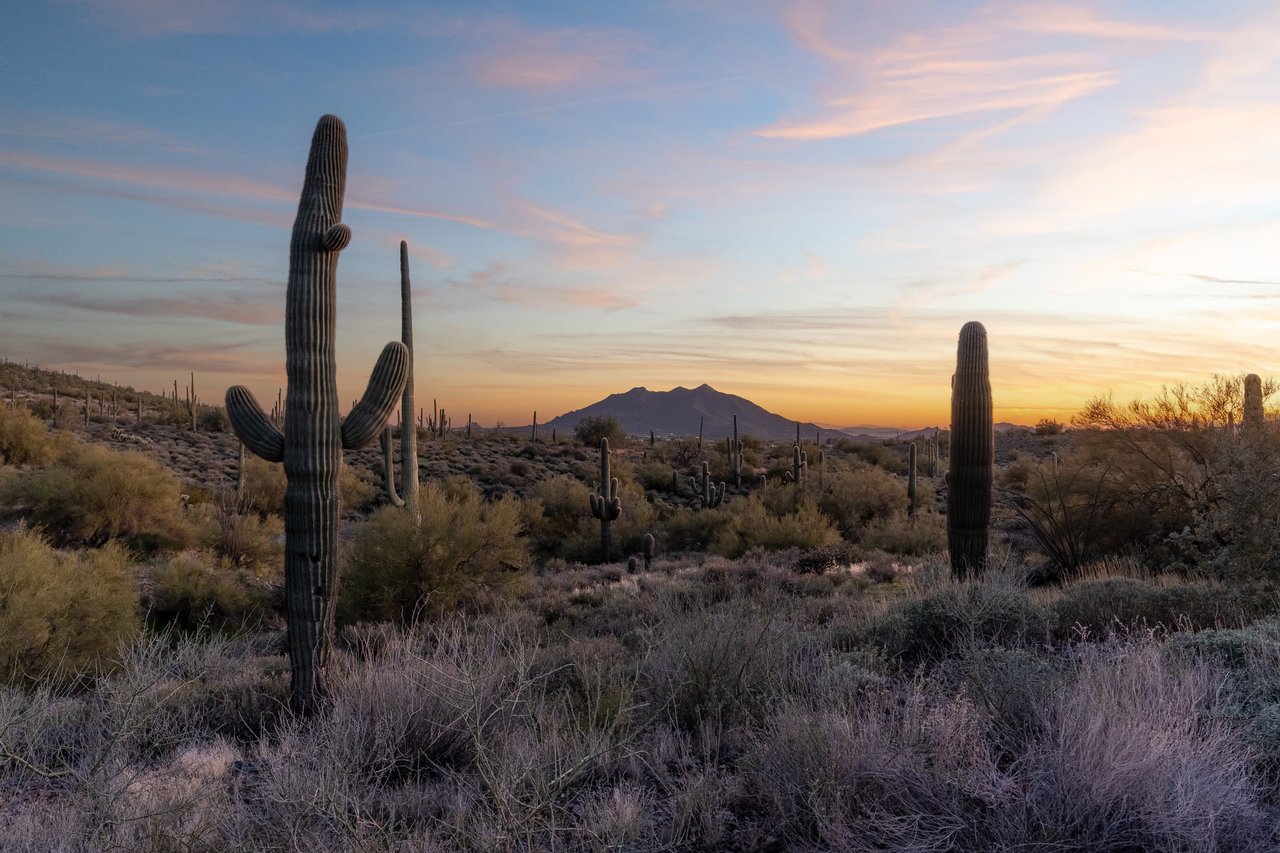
{"x": 797, "y": 202}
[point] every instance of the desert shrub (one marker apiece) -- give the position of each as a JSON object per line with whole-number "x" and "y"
{"x": 954, "y": 619}
{"x": 748, "y": 524}
{"x": 62, "y": 614}
{"x": 234, "y": 531}
{"x": 857, "y": 497}
{"x": 356, "y": 488}
{"x": 876, "y": 454}
{"x": 592, "y": 428}
{"x": 557, "y": 509}
{"x": 924, "y": 534}
{"x": 24, "y": 440}
{"x": 461, "y": 552}
{"x": 1048, "y": 426}
{"x": 187, "y": 592}
{"x": 694, "y": 529}
{"x": 1100, "y": 606}
{"x": 653, "y": 476}
{"x": 213, "y": 419}
{"x": 92, "y": 495}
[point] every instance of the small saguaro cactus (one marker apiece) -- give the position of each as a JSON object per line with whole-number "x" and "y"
{"x": 606, "y": 506}
{"x": 972, "y": 455}
{"x": 709, "y": 494}
{"x": 1254, "y": 419}
{"x": 647, "y": 550}
{"x": 533, "y": 431}
{"x": 314, "y": 436}
{"x": 911, "y": 482}
{"x": 799, "y": 464}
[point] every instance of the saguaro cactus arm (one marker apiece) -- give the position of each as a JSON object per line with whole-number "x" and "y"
{"x": 253, "y": 427}
{"x": 386, "y": 382}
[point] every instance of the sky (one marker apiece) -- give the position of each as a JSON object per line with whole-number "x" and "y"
{"x": 800, "y": 202}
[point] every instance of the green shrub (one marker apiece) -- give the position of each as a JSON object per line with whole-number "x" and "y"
{"x": 61, "y": 615}
{"x": 91, "y": 495}
{"x": 186, "y": 592}
{"x": 24, "y": 440}
{"x": 234, "y": 531}
{"x": 463, "y": 552}
{"x": 924, "y": 534}
{"x": 592, "y": 428}
{"x": 858, "y": 497}
{"x": 750, "y": 525}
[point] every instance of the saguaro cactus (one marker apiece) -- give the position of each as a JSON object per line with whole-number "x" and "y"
{"x": 606, "y": 506}
{"x": 709, "y": 494}
{"x": 408, "y": 435}
{"x": 735, "y": 456}
{"x": 799, "y": 463}
{"x": 911, "y": 482}
{"x": 972, "y": 455}
{"x": 647, "y": 550}
{"x": 1254, "y": 419}
{"x": 314, "y": 437}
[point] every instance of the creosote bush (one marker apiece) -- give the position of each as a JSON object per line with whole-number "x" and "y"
{"x": 62, "y": 614}
{"x": 462, "y": 552}
{"x": 187, "y": 592}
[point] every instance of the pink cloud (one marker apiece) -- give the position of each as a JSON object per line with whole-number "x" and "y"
{"x": 515, "y": 56}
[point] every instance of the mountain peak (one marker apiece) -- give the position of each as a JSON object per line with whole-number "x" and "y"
{"x": 681, "y": 411}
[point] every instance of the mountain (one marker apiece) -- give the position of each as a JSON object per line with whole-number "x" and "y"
{"x": 678, "y": 411}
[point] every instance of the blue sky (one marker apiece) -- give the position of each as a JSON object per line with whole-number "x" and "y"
{"x": 799, "y": 202}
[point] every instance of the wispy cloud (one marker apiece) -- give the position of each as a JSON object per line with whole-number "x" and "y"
{"x": 515, "y": 55}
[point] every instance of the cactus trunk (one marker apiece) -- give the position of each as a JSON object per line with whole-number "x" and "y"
{"x": 1254, "y": 418}
{"x": 911, "y": 482}
{"x": 971, "y": 469}
{"x": 606, "y": 506}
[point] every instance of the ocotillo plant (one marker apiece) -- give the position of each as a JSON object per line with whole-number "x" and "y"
{"x": 709, "y": 494}
{"x": 389, "y": 466}
{"x": 911, "y": 482}
{"x": 313, "y": 439}
{"x": 647, "y": 550}
{"x": 606, "y": 506}
{"x": 1254, "y": 419}
{"x": 973, "y": 450}
{"x": 408, "y": 435}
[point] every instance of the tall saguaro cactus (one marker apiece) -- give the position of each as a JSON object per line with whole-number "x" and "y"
{"x": 606, "y": 506}
{"x": 408, "y": 435}
{"x": 972, "y": 455}
{"x": 710, "y": 495}
{"x": 314, "y": 437}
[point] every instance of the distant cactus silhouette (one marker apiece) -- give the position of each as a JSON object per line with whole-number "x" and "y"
{"x": 647, "y": 550}
{"x": 735, "y": 456}
{"x": 606, "y": 506}
{"x": 1254, "y": 419}
{"x": 709, "y": 494}
{"x": 972, "y": 456}
{"x": 314, "y": 437}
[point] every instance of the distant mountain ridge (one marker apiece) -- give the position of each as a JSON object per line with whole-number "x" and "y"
{"x": 678, "y": 411}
